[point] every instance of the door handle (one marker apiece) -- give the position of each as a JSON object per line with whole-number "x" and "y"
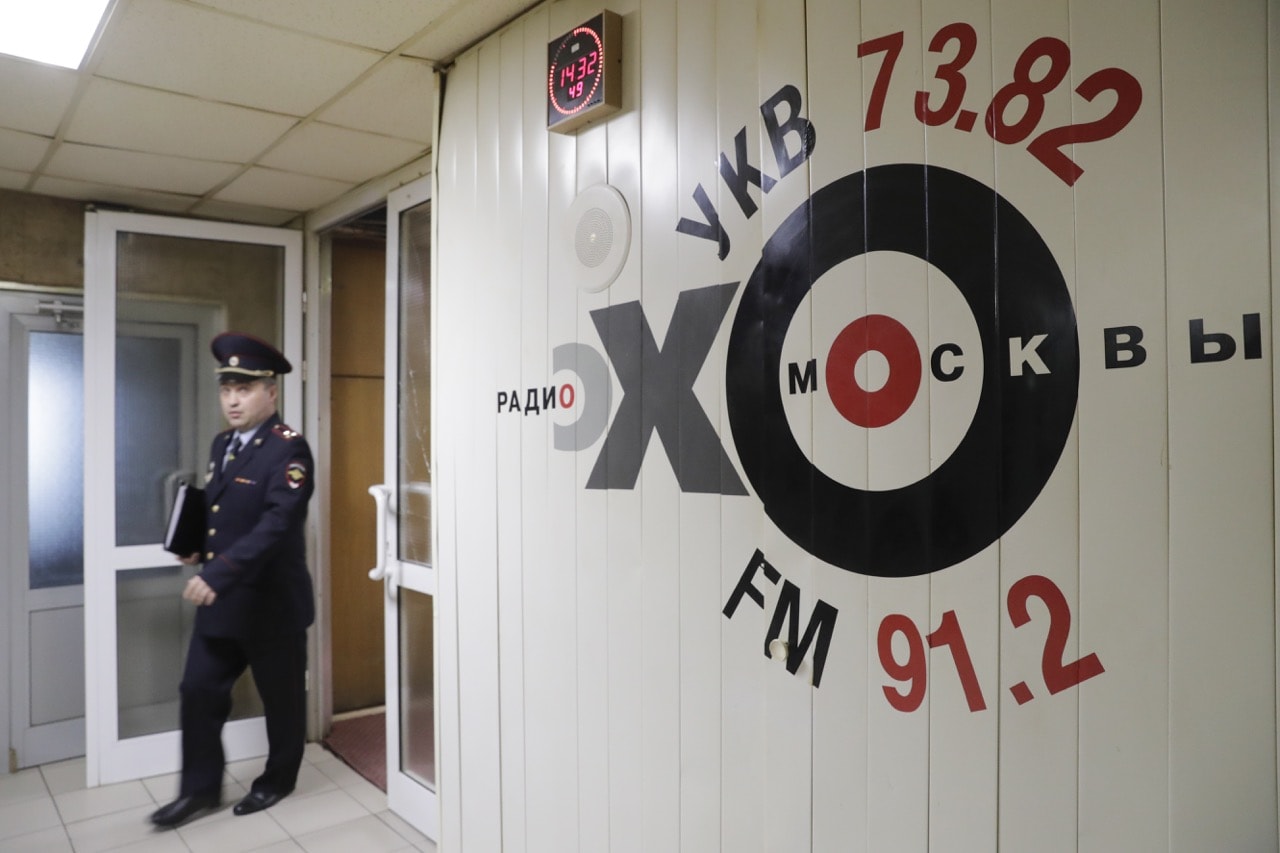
{"x": 382, "y": 502}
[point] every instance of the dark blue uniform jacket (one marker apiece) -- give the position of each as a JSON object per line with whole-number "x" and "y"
{"x": 255, "y": 551}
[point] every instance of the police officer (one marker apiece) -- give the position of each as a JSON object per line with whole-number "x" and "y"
{"x": 253, "y": 593}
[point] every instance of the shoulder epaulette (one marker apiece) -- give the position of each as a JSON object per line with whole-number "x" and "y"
{"x": 285, "y": 432}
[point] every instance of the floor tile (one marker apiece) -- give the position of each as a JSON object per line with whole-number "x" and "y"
{"x": 162, "y": 788}
{"x": 312, "y": 781}
{"x": 289, "y": 846}
{"x": 94, "y": 802}
{"x": 159, "y": 842}
{"x": 52, "y": 840}
{"x": 406, "y": 831}
{"x": 366, "y": 834}
{"x": 365, "y": 792}
{"x": 301, "y": 815}
{"x": 338, "y": 771}
{"x": 64, "y": 776}
{"x": 368, "y": 795}
{"x": 25, "y": 818}
{"x": 233, "y": 792}
{"x": 245, "y": 771}
{"x": 114, "y": 830}
{"x": 232, "y": 835}
{"x": 22, "y": 786}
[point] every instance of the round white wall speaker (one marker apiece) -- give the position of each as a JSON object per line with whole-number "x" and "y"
{"x": 598, "y": 226}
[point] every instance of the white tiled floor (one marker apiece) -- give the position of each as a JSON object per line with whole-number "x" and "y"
{"x": 333, "y": 810}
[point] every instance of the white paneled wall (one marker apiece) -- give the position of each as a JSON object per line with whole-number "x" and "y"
{"x": 1023, "y": 612}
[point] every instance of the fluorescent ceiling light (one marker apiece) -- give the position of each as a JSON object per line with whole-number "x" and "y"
{"x": 54, "y": 31}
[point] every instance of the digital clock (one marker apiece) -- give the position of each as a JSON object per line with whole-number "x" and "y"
{"x": 584, "y": 68}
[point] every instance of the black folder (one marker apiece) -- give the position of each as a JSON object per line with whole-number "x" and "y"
{"x": 186, "y": 522}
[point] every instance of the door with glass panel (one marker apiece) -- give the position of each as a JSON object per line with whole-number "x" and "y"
{"x": 405, "y": 512}
{"x": 157, "y": 290}
{"x": 42, "y": 469}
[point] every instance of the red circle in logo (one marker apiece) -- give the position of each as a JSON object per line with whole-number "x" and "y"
{"x": 885, "y": 335}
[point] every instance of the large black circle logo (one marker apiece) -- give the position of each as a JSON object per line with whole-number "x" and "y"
{"x": 1016, "y": 292}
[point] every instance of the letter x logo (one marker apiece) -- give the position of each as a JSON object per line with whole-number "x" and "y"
{"x": 657, "y": 389}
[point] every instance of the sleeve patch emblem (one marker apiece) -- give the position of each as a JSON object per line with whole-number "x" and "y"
{"x": 296, "y": 474}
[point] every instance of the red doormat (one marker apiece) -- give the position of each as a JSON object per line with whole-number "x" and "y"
{"x": 361, "y": 742}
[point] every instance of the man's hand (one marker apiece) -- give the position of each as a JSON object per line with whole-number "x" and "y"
{"x": 198, "y": 592}
{"x": 189, "y": 560}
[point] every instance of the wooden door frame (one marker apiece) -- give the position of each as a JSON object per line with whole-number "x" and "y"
{"x": 357, "y": 403}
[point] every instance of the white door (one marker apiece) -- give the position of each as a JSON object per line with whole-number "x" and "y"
{"x": 41, "y": 469}
{"x": 405, "y": 515}
{"x": 156, "y": 291}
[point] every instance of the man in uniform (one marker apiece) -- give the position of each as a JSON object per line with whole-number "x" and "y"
{"x": 253, "y": 594}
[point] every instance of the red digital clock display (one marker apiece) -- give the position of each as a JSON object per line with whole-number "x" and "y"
{"x": 575, "y": 71}
{"x": 578, "y": 85}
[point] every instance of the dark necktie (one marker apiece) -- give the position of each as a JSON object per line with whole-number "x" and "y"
{"x": 236, "y": 444}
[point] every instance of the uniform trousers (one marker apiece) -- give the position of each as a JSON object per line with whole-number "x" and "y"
{"x": 279, "y": 666}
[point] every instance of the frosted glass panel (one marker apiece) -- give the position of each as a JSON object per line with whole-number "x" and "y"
{"x": 414, "y": 393}
{"x": 153, "y": 627}
{"x": 417, "y": 686}
{"x": 55, "y": 459}
{"x": 148, "y": 432}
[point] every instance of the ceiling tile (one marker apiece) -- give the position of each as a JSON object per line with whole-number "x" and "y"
{"x": 285, "y": 190}
{"x": 124, "y": 116}
{"x": 22, "y": 151}
{"x": 466, "y": 24}
{"x": 123, "y": 196}
{"x": 395, "y": 100}
{"x": 215, "y": 209}
{"x": 190, "y": 49}
{"x": 33, "y": 97}
{"x": 13, "y": 180}
{"x": 209, "y": 85}
{"x": 134, "y": 169}
{"x": 342, "y": 154}
{"x": 379, "y": 24}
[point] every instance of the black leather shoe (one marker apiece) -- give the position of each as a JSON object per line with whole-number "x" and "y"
{"x": 184, "y": 809}
{"x": 256, "y": 801}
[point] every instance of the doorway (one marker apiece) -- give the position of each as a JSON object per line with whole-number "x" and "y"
{"x": 379, "y": 310}
{"x": 357, "y": 252}
{"x": 43, "y": 468}
{"x": 157, "y": 291}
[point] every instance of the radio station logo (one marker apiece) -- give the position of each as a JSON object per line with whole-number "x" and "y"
{"x": 903, "y": 300}
{"x": 903, "y": 363}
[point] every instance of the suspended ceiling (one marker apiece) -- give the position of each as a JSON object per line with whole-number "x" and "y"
{"x": 249, "y": 110}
